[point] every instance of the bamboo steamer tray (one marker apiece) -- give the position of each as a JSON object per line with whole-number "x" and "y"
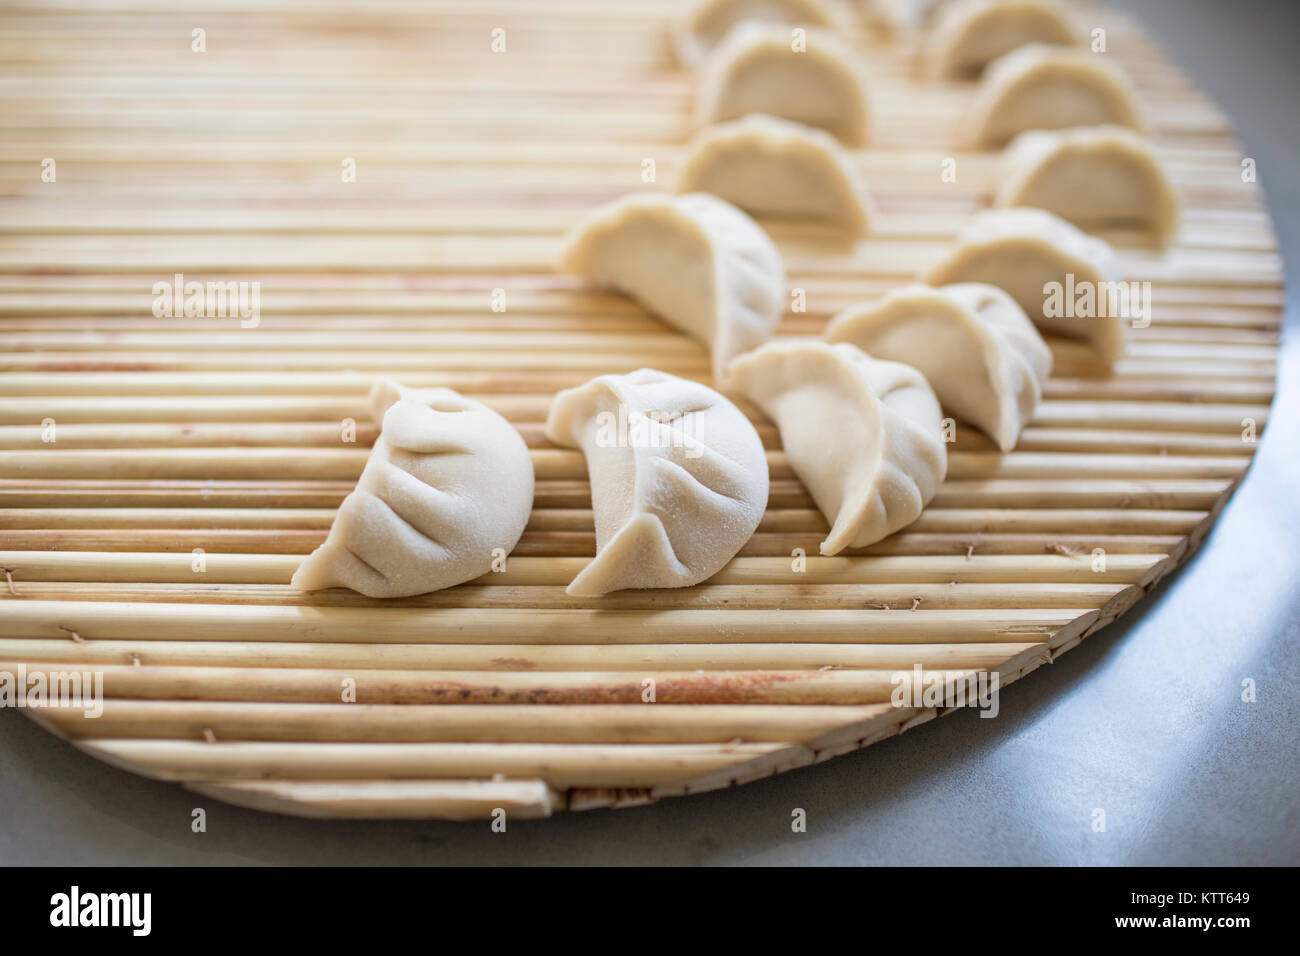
{"x": 180, "y": 434}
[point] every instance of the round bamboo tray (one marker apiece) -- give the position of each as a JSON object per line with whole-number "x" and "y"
{"x": 196, "y": 461}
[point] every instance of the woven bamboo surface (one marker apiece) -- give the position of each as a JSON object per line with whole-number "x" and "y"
{"x": 177, "y": 434}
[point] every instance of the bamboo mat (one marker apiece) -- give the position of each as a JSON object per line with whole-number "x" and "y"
{"x": 178, "y": 434}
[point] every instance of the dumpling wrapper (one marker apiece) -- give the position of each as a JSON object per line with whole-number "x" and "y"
{"x": 863, "y": 435}
{"x": 756, "y": 70}
{"x": 710, "y": 20}
{"x": 447, "y": 483}
{"x": 970, "y": 34}
{"x": 901, "y": 17}
{"x": 1021, "y": 251}
{"x": 1049, "y": 87}
{"x": 975, "y": 346}
{"x": 678, "y": 478}
{"x": 1093, "y": 176}
{"x": 694, "y": 260}
{"x": 781, "y": 169}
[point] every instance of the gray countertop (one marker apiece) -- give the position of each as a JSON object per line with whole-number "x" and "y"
{"x": 1144, "y": 720}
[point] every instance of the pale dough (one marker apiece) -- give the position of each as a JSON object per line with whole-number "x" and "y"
{"x": 983, "y": 357}
{"x": 1023, "y": 250}
{"x": 756, "y": 69}
{"x": 678, "y": 478}
{"x": 1049, "y": 87}
{"x": 1094, "y": 176}
{"x": 446, "y": 491}
{"x": 781, "y": 169}
{"x": 694, "y": 260}
{"x": 970, "y": 34}
{"x": 863, "y": 435}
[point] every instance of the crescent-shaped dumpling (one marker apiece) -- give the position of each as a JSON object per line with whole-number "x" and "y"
{"x": 1091, "y": 175}
{"x": 863, "y": 435}
{"x": 985, "y": 360}
{"x": 694, "y": 260}
{"x": 678, "y": 478}
{"x": 1022, "y": 251}
{"x": 1049, "y": 87}
{"x": 709, "y": 20}
{"x": 774, "y": 167}
{"x": 448, "y": 483}
{"x": 756, "y": 69}
{"x": 900, "y": 16}
{"x": 970, "y": 34}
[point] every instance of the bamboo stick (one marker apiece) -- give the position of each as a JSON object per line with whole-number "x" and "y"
{"x": 124, "y": 620}
{"x": 272, "y": 415}
{"x": 902, "y": 597}
{"x": 479, "y": 689}
{"x": 634, "y": 658}
{"x": 555, "y": 544}
{"x": 317, "y": 435}
{"x": 504, "y": 723}
{"x": 518, "y": 254}
{"x": 952, "y": 520}
{"x": 1219, "y": 397}
{"x": 561, "y": 765}
{"x": 784, "y": 493}
{"x": 558, "y": 464}
{"x": 1254, "y": 233}
{"x": 392, "y": 799}
{"x": 1054, "y": 568}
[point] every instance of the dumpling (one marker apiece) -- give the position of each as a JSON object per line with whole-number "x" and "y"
{"x": 985, "y": 360}
{"x": 774, "y": 167}
{"x": 448, "y": 483}
{"x": 901, "y": 16}
{"x": 1091, "y": 175}
{"x": 694, "y": 260}
{"x": 756, "y": 69}
{"x": 863, "y": 435}
{"x": 970, "y": 34}
{"x": 1049, "y": 87}
{"x": 709, "y": 20}
{"x": 678, "y": 478}
{"x": 1023, "y": 251}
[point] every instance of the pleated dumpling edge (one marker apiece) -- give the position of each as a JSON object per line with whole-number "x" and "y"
{"x": 984, "y": 358}
{"x": 679, "y": 478}
{"x": 728, "y": 281}
{"x": 865, "y": 436}
{"x": 446, "y": 491}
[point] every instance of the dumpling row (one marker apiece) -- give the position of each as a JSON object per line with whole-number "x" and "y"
{"x": 678, "y": 473}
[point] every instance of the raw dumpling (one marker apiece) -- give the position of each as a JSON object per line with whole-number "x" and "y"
{"x": 972, "y": 33}
{"x": 773, "y": 167}
{"x": 756, "y": 69}
{"x": 1091, "y": 175}
{"x": 863, "y": 435}
{"x": 709, "y": 21}
{"x": 901, "y": 16}
{"x": 448, "y": 483}
{"x": 1023, "y": 251}
{"x": 1049, "y": 87}
{"x": 976, "y": 347}
{"x": 694, "y": 260}
{"x": 678, "y": 478}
